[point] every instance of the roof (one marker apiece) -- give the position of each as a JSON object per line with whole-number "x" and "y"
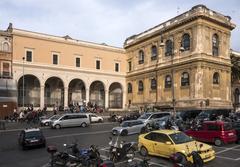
{"x": 166, "y": 131}
{"x": 32, "y": 130}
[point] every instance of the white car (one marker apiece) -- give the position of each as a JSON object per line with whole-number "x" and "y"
{"x": 95, "y": 118}
{"x": 47, "y": 121}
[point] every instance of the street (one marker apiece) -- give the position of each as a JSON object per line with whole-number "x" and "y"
{"x": 97, "y": 134}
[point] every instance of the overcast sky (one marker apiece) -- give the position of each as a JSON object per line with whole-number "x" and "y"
{"x": 105, "y": 21}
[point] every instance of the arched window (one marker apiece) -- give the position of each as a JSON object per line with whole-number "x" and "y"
{"x": 154, "y": 52}
{"x": 215, "y": 45}
{"x": 216, "y": 78}
{"x": 129, "y": 88}
{"x": 185, "y": 79}
{"x": 169, "y": 48}
{"x": 153, "y": 84}
{"x": 185, "y": 42}
{"x": 140, "y": 86}
{"x": 140, "y": 57}
{"x": 5, "y": 46}
{"x": 237, "y": 96}
{"x": 168, "y": 81}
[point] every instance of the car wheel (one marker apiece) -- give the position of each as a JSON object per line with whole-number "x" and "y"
{"x": 183, "y": 158}
{"x": 100, "y": 120}
{"x": 124, "y": 133}
{"x": 143, "y": 151}
{"x": 218, "y": 142}
{"x": 57, "y": 126}
{"x": 148, "y": 126}
{"x": 84, "y": 125}
{"x": 46, "y": 124}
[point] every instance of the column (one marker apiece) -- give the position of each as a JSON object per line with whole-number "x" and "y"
{"x": 87, "y": 96}
{"x": 106, "y": 98}
{"x": 124, "y": 99}
{"x": 41, "y": 96}
{"x": 66, "y": 97}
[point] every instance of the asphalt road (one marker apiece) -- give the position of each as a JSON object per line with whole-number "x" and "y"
{"x": 12, "y": 156}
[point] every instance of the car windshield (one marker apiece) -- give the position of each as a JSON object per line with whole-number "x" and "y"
{"x": 32, "y": 134}
{"x": 145, "y": 116}
{"x": 179, "y": 138}
{"x": 124, "y": 124}
{"x": 227, "y": 126}
{"x": 54, "y": 117}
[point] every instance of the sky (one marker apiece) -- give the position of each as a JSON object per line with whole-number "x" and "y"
{"x": 105, "y": 21}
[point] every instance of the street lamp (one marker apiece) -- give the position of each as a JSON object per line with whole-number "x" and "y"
{"x": 23, "y": 58}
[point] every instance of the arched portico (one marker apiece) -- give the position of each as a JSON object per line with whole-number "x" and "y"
{"x": 97, "y": 93}
{"x": 76, "y": 92}
{"x": 115, "y": 95}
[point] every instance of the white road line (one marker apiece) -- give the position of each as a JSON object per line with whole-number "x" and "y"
{"x": 228, "y": 158}
{"x": 78, "y": 134}
{"x": 227, "y": 149}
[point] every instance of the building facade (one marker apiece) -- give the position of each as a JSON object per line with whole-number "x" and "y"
{"x": 183, "y": 63}
{"x": 58, "y": 71}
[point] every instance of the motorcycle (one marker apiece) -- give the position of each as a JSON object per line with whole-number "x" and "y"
{"x": 119, "y": 150}
{"x": 142, "y": 163}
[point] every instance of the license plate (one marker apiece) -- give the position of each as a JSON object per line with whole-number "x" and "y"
{"x": 230, "y": 134}
{"x": 33, "y": 141}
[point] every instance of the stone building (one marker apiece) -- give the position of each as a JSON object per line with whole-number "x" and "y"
{"x": 183, "y": 63}
{"x": 57, "y": 71}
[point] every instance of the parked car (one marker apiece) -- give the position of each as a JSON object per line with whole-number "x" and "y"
{"x": 149, "y": 118}
{"x": 165, "y": 143}
{"x": 211, "y": 115}
{"x": 95, "y": 118}
{"x": 70, "y": 120}
{"x": 161, "y": 123}
{"x": 129, "y": 116}
{"x": 47, "y": 121}
{"x": 217, "y": 132}
{"x": 188, "y": 114}
{"x": 236, "y": 126}
{"x": 129, "y": 127}
{"x": 31, "y": 137}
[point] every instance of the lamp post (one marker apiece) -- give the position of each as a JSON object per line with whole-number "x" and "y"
{"x": 23, "y": 58}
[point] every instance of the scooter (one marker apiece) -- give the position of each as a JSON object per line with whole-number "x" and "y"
{"x": 120, "y": 149}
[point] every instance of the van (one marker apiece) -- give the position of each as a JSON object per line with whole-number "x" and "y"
{"x": 71, "y": 120}
{"x": 149, "y": 118}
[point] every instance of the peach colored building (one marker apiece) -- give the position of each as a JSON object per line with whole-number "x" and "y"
{"x": 58, "y": 71}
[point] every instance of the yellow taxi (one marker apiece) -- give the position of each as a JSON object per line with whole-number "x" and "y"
{"x": 165, "y": 143}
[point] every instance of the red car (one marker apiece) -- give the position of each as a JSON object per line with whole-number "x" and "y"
{"x": 217, "y": 132}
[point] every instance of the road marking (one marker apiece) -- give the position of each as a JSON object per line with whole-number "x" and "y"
{"x": 232, "y": 159}
{"x": 78, "y": 134}
{"x": 227, "y": 149}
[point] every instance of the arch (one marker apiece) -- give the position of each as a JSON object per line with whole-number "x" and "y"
{"x": 54, "y": 92}
{"x": 97, "y": 93}
{"x": 30, "y": 92}
{"x": 185, "y": 79}
{"x": 169, "y": 48}
{"x": 186, "y": 41}
{"x": 216, "y": 78}
{"x": 215, "y": 45}
{"x": 154, "y": 52}
{"x": 141, "y": 57}
{"x": 115, "y": 95}
{"x": 140, "y": 86}
{"x": 129, "y": 87}
{"x": 237, "y": 96}
{"x": 168, "y": 81}
{"x": 76, "y": 92}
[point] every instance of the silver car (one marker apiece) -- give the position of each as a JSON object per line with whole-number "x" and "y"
{"x": 149, "y": 118}
{"x": 47, "y": 121}
{"x": 129, "y": 127}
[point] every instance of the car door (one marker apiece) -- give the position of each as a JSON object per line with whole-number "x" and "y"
{"x": 161, "y": 146}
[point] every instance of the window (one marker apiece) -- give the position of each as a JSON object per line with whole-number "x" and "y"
{"x": 6, "y": 70}
{"x": 29, "y": 56}
{"x": 55, "y": 59}
{"x": 216, "y": 78}
{"x": 185, "y": 42}
{"x": 169, "y": 48}
{"x": 98, "y": 64}
{"x": 6, "y": 47}
{"x": 154, "y": 52}
{"x": 141, "y": 57}
{"x": 117, "y": 67}
{"x": 168, "y": 81}
{"x": 129, "y": 88}
{"x": 213, "y": 127}
{"x": 77, "y": 62}
{"x": 140, "y": 86}
{"x": 129, "y": 66}
{"x": 215, "y": 45}
{"x": 185, "y": 79}
{"x": 153, "y": 84}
